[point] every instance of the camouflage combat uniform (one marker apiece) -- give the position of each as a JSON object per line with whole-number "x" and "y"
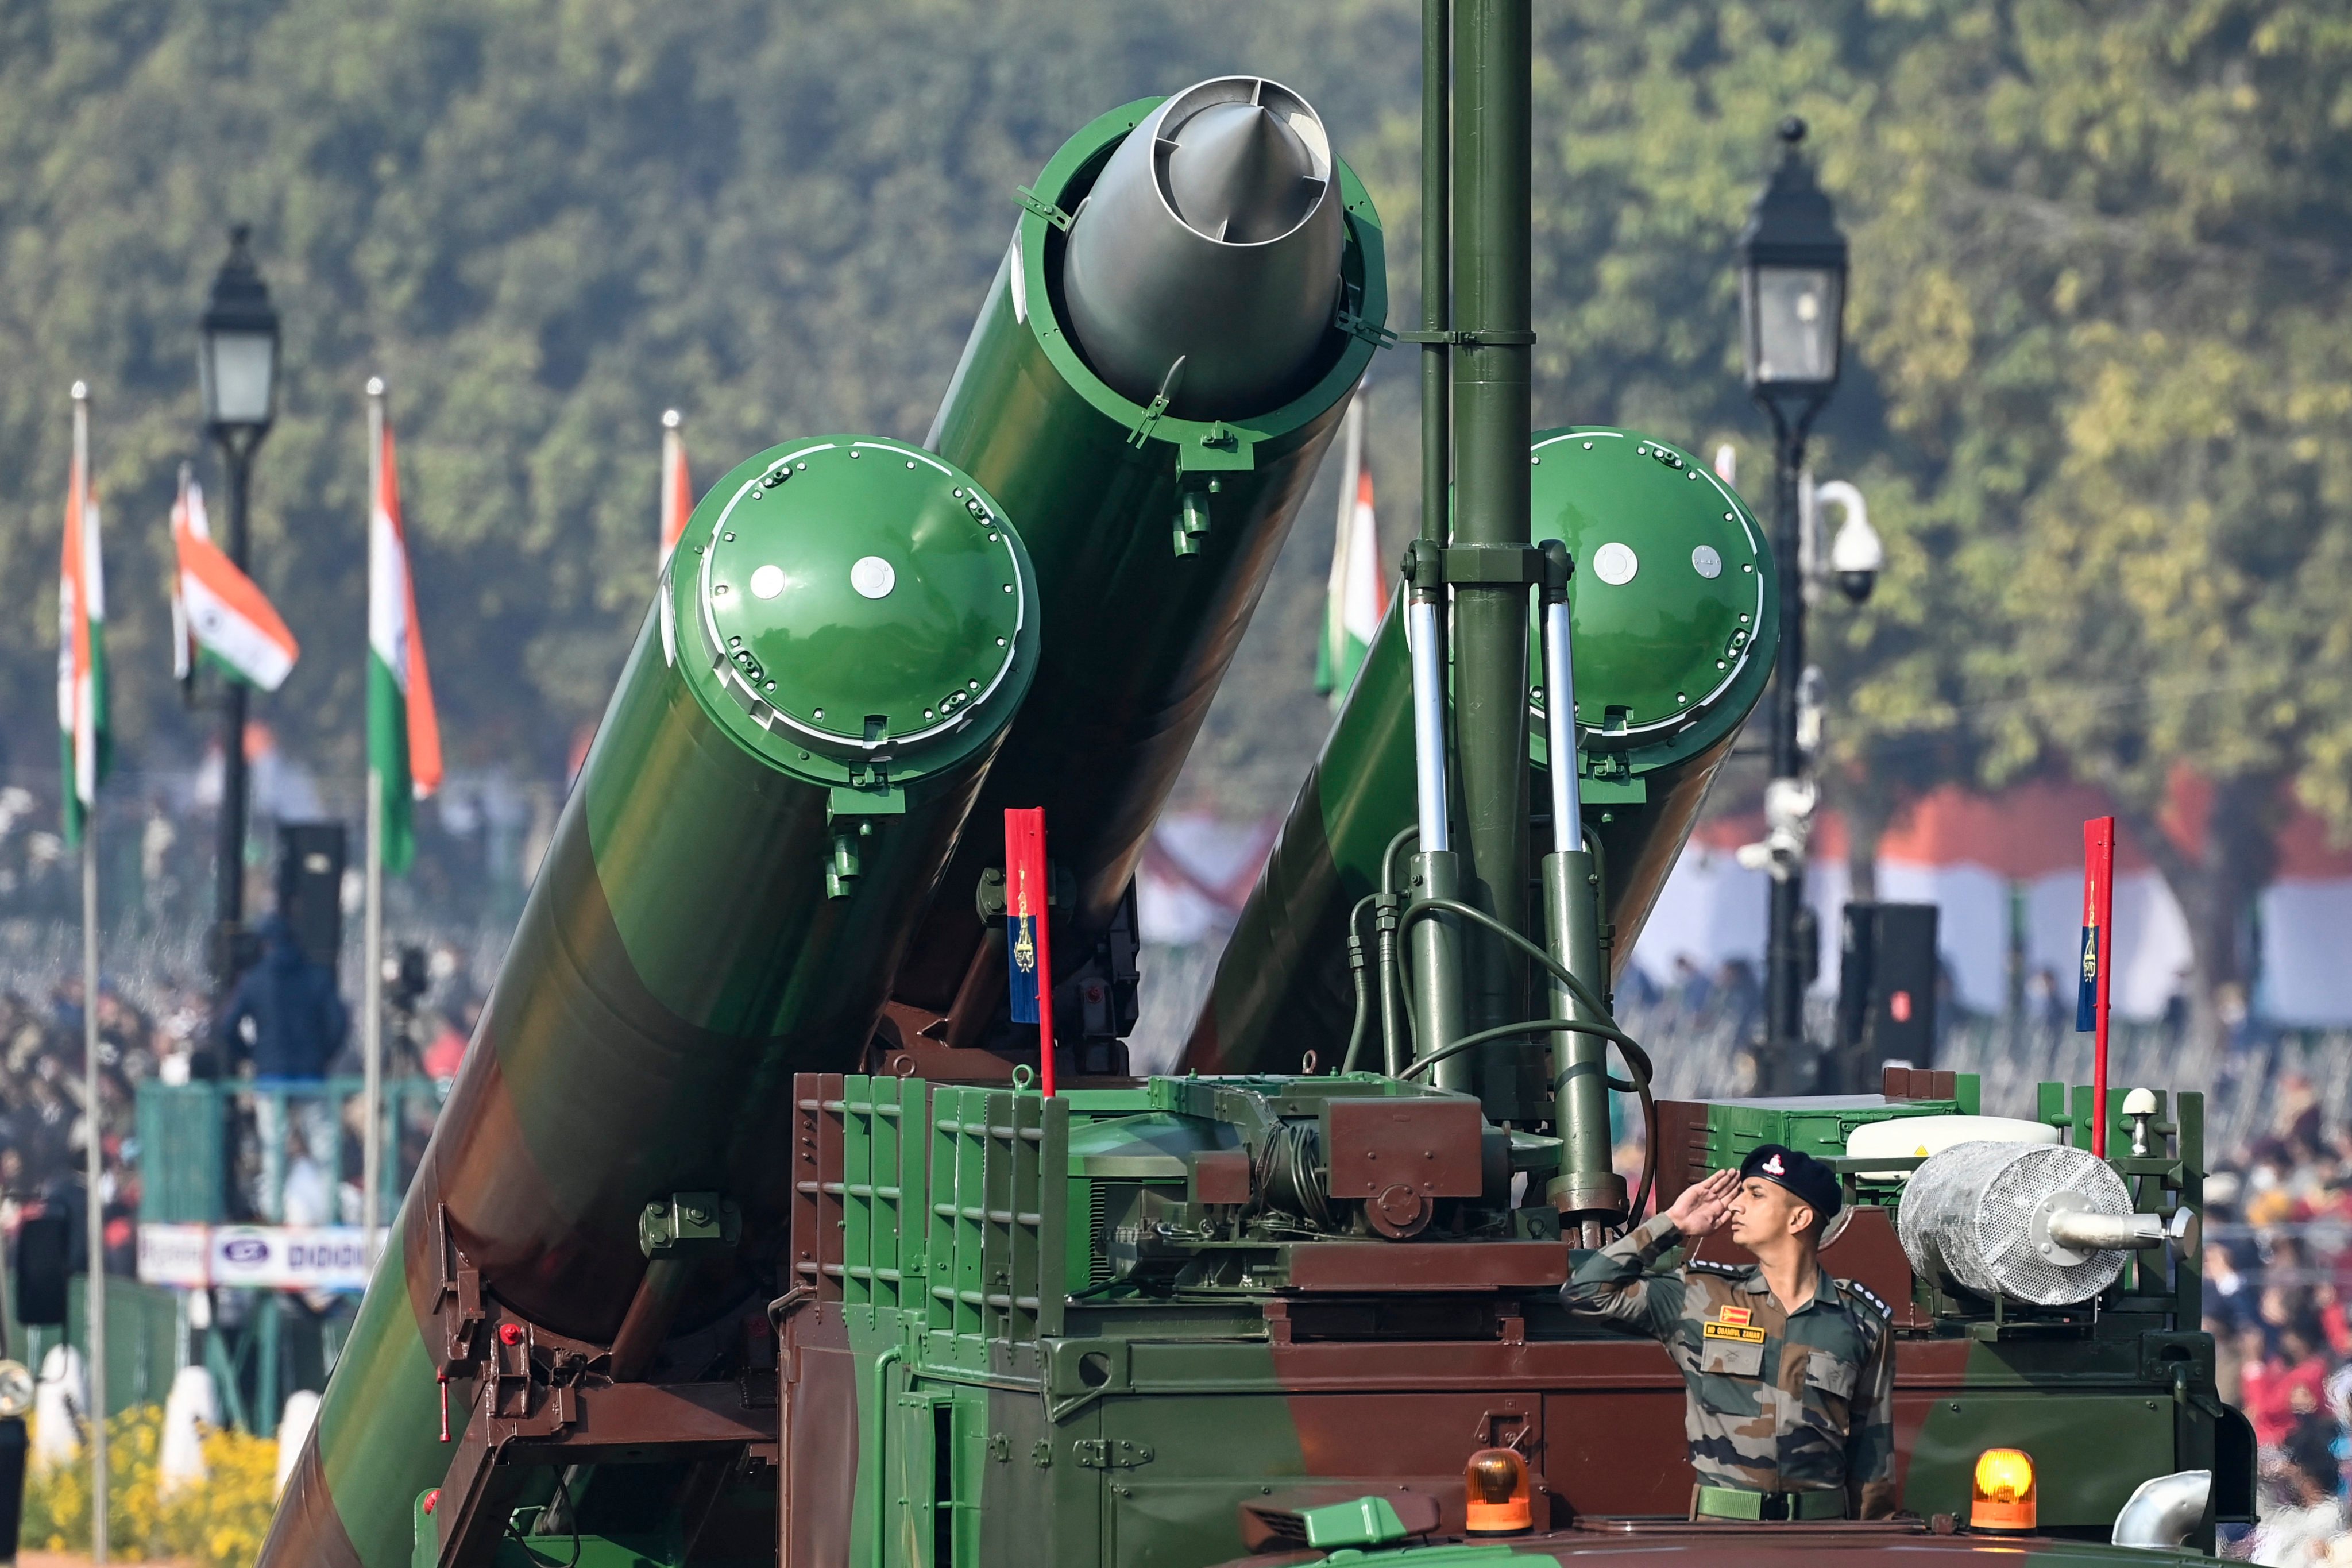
{"x": 1779, "y": 1401}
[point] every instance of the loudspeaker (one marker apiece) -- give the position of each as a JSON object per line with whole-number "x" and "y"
{"x": 1887, "y": 978}
{"x": 310, "y": 887}
{"x": 45, "y": 1259}
{"x": 14, "y": 1446}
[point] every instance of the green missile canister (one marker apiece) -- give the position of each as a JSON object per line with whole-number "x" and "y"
{"x": 1188, "y": 302}
{"x": 1674, "y": 626}
{"x": 842, "y": 638}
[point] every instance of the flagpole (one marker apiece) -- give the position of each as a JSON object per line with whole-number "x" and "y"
{"x": 371, "y": 941}
{"x": 1335, "y": 599}
{"x": 93, "y": 1118}
{"x": 673, "y": 450}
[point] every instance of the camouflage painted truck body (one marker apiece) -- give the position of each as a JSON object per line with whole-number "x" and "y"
{"x": 1135, "y": 1326}
{"x": 686, "y": 1281}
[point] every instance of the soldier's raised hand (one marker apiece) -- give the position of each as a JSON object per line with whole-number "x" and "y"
{"x": 1704, "y": 1205}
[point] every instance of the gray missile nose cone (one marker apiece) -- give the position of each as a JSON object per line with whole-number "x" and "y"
{"x": 1212, "y": 236}
{"x": 1237, "y": 173}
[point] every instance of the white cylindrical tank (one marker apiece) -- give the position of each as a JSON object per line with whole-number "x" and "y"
{"x": 61, "y": 1404}
{"x": 294, "y": 1423}
{"x": 190, "y": 1411}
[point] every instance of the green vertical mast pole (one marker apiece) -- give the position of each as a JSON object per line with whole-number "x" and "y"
{"x": 1490, "y": 567}
{"x": 1436, "y": 237}
{"x": 1435, "y": 870}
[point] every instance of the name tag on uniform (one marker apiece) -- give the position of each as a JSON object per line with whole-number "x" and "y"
{"x": 1732, "y": 1323}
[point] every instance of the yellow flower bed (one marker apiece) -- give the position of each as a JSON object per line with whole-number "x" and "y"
{"x": 219, "y": 1523}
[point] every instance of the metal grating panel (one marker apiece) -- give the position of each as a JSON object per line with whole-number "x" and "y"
{"x": 816, "y": 1183}
{"x": 995, "y": 1219}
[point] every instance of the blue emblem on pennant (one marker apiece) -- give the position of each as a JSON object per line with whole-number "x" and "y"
{"x": 1021, "y": 953}
{"x": 2087, "y": 996}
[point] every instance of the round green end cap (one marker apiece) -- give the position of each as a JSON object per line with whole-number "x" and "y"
{"x": 1674, "y": 598}
{"x": 861, "y": 602}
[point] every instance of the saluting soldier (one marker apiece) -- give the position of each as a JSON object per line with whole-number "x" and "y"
{"x": 1791, "y": 1372}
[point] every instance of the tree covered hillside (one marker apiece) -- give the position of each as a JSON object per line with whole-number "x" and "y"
{"x": 2099, "y": 387}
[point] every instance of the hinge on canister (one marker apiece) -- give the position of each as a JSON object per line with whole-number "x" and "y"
{"x": 1159, "y": 404}
{"x": 689, "y": 1225}
{"x": 1356, "y": 326}
{"x": 1151, "y": 417}
{"x": 457, "y": 1298}
{"x": 1109, "y": 1454}
{"x": 1346, "y": 316}
{"x": 1042, "y": 208}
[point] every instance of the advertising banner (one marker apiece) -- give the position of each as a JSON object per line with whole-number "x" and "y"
{"x": 255, "y": 1257}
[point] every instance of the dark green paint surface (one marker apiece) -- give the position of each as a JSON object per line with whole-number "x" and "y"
{"x": 1282, "y": 986}
{"x": 677, "y": 961}
{"x": 874, "y": 594}
{"x": 1676, "y": 637}
{"x": 1140, "y": 636}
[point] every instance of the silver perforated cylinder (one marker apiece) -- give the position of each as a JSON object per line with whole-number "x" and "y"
{"x": 1969, "y": 1217}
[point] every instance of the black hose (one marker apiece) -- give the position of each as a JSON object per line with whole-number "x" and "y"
{"x": 1388, "y": 856}
{"x": 1356, "y": 973}
{"x": 1425, "y": 906}
{"x": 1637, "y": 1060}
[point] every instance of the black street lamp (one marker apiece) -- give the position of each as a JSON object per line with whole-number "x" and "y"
{"x": 237, "y": 362}
{"x": 1792, "y": 267}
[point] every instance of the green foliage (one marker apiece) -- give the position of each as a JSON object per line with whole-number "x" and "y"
{"x": 542, "y": 223}
{"x": 2098, "y": 392}
{"x": 2099, "y": 377}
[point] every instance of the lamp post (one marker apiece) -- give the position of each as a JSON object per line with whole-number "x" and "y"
{"x": 236, "y": 363}
{"x": 1792, "y": 269}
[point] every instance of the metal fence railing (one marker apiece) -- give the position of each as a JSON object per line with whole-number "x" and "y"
{"x": 275, "y": 1152}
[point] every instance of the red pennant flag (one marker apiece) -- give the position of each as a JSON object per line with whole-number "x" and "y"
{"x": 2098, "y": 962}
{"x": 1029, "y": 949}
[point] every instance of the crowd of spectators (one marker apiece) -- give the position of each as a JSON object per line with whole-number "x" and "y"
{"x": 2278, "y": 1283}
{"x": 286, "y": 1022}
{"x": 45, "y": 1121}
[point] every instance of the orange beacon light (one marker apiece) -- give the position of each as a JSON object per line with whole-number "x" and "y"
{"x": 2003, "y": 1497}
{"x": 1496, "y": 1481}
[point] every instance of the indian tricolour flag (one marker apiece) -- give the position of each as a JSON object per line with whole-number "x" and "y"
{"x": 404, "y": 736}
{"x": 1359, "y": 591}
{"x": 218, "y": 609}
{"x": 81, "y": 638}
{"x": 676, "y": 491}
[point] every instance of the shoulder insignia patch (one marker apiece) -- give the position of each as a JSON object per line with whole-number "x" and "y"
{"x": 1710, "y": 1265}
{"x": 1864, "y": 1293}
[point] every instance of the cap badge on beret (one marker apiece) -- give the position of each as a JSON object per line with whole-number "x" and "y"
{"x": 1774, "y": 1168}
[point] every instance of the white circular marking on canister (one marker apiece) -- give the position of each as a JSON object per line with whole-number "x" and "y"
{"x": 1706, "y": 562}
{"x": 1615, "y": 564}
{"x": 768, "y": 582}
{"x": 873, "y": 577}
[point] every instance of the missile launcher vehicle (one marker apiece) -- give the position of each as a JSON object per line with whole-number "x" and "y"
{"x": 758, "y": 1231}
